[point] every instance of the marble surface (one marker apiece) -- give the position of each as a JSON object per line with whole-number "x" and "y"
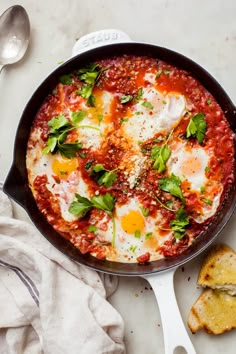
{"x": 205, "y": 31}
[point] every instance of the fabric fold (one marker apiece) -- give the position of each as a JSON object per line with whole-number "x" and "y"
{"x": 49, "y": 303}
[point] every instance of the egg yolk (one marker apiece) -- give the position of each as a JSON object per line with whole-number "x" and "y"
{"x": 191, "y": 166}
{"x": 132, "y": 222}
{"x": 62, "y": 167}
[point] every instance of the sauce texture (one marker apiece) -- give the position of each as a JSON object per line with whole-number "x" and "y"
{"x": 130, "y": 158}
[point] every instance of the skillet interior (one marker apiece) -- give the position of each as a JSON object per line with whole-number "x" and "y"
{"x": 16, "y": 184}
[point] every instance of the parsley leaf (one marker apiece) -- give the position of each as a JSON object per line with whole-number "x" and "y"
{"x": 147, "y": 104}
{"x": 92, "y": 228}
{"x": 148, "y": 235}
{"x": 77, "y": 117}
{"x": 178, "y": 225}
{"x": 85, "y": 91}
{"x": 158, "y": 74}
{"x": 122, "y": 120}
{"x": 139, "y": 94}
{"x": 197, "y": 127}
{"x": 104, "y": 202}
{"x": 81, "y": 206}
{"x": 126, "y": 98}
{"x": 172, "y": 185}
{"x": 59, "y": 128}
{"x": 145, "y": 211}
{"x": 160, "y": 155}
{"x": 65, "y": 79}
{"x": 137, "y": 234}
{"x": 89, "y": 76}
{"x": 69, "y": 150}
{"x": 103, "y": 176}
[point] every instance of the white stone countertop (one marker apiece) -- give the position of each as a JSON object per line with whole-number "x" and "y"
{"x": 203, "y": 30}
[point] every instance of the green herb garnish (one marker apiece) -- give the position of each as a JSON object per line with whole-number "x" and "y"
{"x": 92, "y": 228}
{"x": 147, "y": 104}
{"x": 145, "y": 211}
{"x": 59, "y": 129}
{"x": 209, "y": 102}
{"x": 172, "y": 185}
{"x": 207, "y": 169}
{"x": 197, "y": 127}
{"x": 207, "y": 201}
{"x": 122, "y": 120}
{"x": 139, "y": 94}
{"x": 167, "y": 72}
{"x": 137, "y": 234}
{"x": 126, "y": 98}
{"x": 89, "y": 76}
{"x": 160, "y": 155}
{"x": 178, "y": 225}
{"x": 133, "y": 248}
{"x": 65, "y": 79}
{"x": 100, "y": 118}
{"x": 158, "y": 74}
{"x": 103, "y": 176}
{"x": 81, "y": 206}
{"x": 148, "y": 235}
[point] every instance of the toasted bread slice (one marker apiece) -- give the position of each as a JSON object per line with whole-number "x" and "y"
{"x": 218, "y": 270}
{"x": 214, "y": 311}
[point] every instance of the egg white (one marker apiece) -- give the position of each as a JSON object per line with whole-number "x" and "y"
{"x": 189, "y": 164}
{"x": 144, "y": 123}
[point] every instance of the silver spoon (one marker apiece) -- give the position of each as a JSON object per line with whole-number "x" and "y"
{"x": 14, "y": 35}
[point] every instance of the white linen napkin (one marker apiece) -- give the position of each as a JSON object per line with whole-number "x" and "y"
{"x": 48, "y": 303}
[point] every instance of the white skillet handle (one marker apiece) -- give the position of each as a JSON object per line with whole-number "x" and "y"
{"x": 98, "y": 39}
{"x": 174, "y": 331}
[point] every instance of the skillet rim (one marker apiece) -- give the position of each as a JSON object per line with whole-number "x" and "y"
{"x": 18, "y": 174}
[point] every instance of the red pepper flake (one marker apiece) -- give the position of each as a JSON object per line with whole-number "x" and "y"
{"x": 182, "y": 269}
{"x": 188, "y": 278}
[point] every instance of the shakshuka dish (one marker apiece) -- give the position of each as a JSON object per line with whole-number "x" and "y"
{"x": 130, "y": 158}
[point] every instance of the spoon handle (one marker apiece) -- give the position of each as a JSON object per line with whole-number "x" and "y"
{"x": 1, "y": 66}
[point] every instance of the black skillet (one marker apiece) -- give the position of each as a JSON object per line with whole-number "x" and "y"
{"x": 16, "y": 187}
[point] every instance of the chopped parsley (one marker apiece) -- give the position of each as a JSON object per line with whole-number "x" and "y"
{"x": 126, "y": 98}
{"x": 158, "y": 74}
{"x": 179, "y": 224}
{"x": 147, "y": 105}
{"x": 137, "y": 234}
{"x": 145, "y": 211}
{"x": 148, "y": 235}
{"x": 209, "y": 101}
{"x": 92, "y": 228}
{"x": 122, "y": 120}
{"x": 207, "y": 201}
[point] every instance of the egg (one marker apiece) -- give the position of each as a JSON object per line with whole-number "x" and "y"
{"x": 154, "y": 113}
{"x": 189, "y": 164}
{"x": 95, "y": 124}
{"x": 134, "y": 233}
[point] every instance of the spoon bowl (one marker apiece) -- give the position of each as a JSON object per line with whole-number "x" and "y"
{"x": 14, "y": 35}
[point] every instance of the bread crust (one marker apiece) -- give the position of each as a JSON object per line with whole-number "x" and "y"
{"x": 218, "y": 270}
{"x": 214, "y": 311}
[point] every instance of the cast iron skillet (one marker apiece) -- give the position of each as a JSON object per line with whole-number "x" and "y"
{"x": 16, "y": 184}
